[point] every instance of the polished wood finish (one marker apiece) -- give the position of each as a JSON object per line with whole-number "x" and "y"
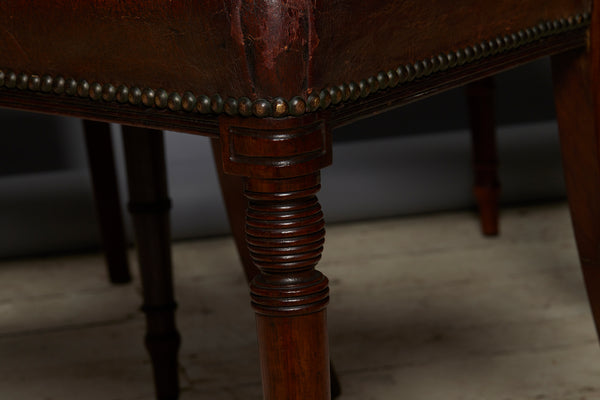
{"x": 101, "y": 161}
{"x": 486, "y": 185}
{"x": 149, "y": 206}
{"x": 236, "y": 204}
{"x": 285, "y": 233}
{"x": 577, "y": 96}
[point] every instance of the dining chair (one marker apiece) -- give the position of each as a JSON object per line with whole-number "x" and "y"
{"x": 99, "y": 147}
{"x": 270, "y": 81}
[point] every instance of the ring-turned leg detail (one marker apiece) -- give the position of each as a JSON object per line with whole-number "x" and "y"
{"x": 236, "y": 205}
{"x": 285, "y": 232}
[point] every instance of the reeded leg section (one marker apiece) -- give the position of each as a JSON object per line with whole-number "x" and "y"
{"x": 281, "y": 160}
{"x": 577, "y": 94}
{"x": 285, "y": 233}
{"x": 106, "y": 196}
{"x": 149, "y": 206}
{"x": 486, "y": 187}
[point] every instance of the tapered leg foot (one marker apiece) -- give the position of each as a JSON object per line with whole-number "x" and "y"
{"x": 486, "y": 188}
{"x": 106, "y": 196}
{"x": 149, "y": 206}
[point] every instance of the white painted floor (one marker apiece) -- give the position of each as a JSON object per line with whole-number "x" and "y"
{"x": 422, "y": 308}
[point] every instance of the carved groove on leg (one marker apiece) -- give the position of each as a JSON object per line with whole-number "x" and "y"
{"x": 285, "y": 235}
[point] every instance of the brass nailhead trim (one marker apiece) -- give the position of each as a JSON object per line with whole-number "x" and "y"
{"x": 280, "y": 107}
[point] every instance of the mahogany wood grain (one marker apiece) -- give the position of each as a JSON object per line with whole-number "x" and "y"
{"x": 486, "y": 186}
{"x": 577, "y": 94}
{"x": 280, "y": 161}
{"x": 149, "y": 206}
{"x": 101, "y": 161}
{"x": 285, "y": 235}
{"x": 236, "y": 204}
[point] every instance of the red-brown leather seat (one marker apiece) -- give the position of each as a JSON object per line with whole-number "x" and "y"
{"x": 232, "y": 55}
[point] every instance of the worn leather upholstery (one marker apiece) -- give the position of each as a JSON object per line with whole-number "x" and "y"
{"x": 221, "y": 46}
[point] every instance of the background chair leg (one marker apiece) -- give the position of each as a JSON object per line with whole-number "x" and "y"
{"x": 101, "y": 162}
{"x": 486, "y": 188}
{"x": 232, "y": 188}
{"x": 576, "y": 92}
{"x": 149, "y": 206}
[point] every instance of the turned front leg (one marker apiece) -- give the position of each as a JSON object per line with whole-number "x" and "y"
{"x": 285, "y": 232}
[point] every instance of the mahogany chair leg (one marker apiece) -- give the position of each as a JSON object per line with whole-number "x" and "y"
{"x": 285, "y": 235}
{"x": 290, "y": 305}
{"x": 486, "y": 188}
{"x": 149, "y": 206}
{"x": 106, "y": 196}
{"x": 236, "y": 204}
{"x": 577, "y": 94}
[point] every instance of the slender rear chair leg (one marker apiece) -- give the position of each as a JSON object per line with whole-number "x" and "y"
{"x": 236, "y": 204}
{"x": 149, "y": 206}
{"x": 106, "y": 196}
{"x": 577, "y": 94}
{"x": 281, "y": 160}
{"x": 486, "y": 188}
